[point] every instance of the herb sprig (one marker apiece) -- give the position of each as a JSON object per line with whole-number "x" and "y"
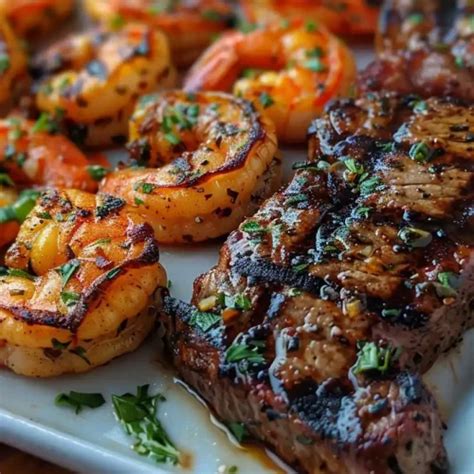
{"x": 137, "y": 414}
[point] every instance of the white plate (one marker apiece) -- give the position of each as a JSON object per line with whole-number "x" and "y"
{"x": 93, "y": 441}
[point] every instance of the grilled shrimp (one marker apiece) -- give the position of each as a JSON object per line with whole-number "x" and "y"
{"x": 95, "y": 78}
{"x": 29, "y": 17}
{"x": 34, "y": 155}
{"x": 13, "y": 71}
{"x": 299, "y": 69}
{"x": 342, "y": 17}
{"x": 209, "y": 159}
{"x": 190, "y": 25}
{"x": 90, "y": 295}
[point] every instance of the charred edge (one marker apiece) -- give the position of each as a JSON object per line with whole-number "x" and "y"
{"x": 109, "y": 205}
{"x": 446, "y": 16}
{"x": 73, "y": 319}
{"x": 177, "y": 308}
{"x": 329, "y": 410}
{"x": 265, "y": 271}
{"x": 255, "y": 134}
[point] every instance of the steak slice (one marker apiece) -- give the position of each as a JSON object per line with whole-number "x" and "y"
{"x": 425, "y": 48}
{"x": 324, "y": 303}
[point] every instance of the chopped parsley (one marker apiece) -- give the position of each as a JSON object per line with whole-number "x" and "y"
{"x": 78, "y": 400}
{"x": 4, "y": 63}
{"x": 252, "y": 227}
{"x": 370, "y": 185}
{"x": 80, "y": 352}
{"x": 420, "y": 152}
{"x": 138, "y": 416}
{"x": 19, "y": 210}
{"x": 145, "y": 188}
{"x": 67, "y": 270}
{"x": 314, "y": 64}
{"x": 5, "y": 180}
{"x": 373, "y": 358}
{"x": 238, "y": 301}
{"x": 238, "y": 430}
{"x": 46, "y": 124}
{"x": 249, "y": 353}
{"x": 204, "y": 321}
{"x": 296, "y": 199}
{"x": 70, "y": 298}
{"x": 266, "y": 100}
{"x": 448, "y": 284}
{"x": 113, "y": 273}
{"x": 97, "y": 172}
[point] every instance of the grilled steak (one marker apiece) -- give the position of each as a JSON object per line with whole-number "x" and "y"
{"x": 323, "y": 304}
{"x": 425, "y": 48}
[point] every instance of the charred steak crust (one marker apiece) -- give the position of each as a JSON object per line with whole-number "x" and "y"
{"x": 425, "y": 48}
{"x": 344, "y": 282}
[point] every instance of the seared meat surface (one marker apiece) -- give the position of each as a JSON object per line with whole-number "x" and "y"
{"x": 425, "y": 47}
{"x": 356, "y": 274}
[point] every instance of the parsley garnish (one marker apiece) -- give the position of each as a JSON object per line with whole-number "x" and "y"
{"x": 69, "y": 298}
{"x": 249, "y": 353}
{"x": 78, "y": 400}
{"x": 238, "y": 430}
{"x": 372, "y": 357}
{"x": 370, "y": 185}
{"x": 296, "y": 199}
{"x": 67, "y": 270}
{"x": 448, "y": 284}
{"x": 19, "y": 210}
{"x": 46, "y": 124}
{"x": 238, "y": 301}
{"x": 419, "y": 152}
{"x": 315, "y": 65}
{"x": 113, "y": 273}
{"x": 4, "y": 63}
{"x": 80, "y": 352}
{"x": 204, "y": 321}
{"x": 16, "y": 272}
{"x": 137, "y": 415}
{"x": 266, "y": 100}
{"x": 252, "y": 227}
{"x": 97, "y": 172}
{"x": 145, "y": 188}
{"x": 5, "y": 180}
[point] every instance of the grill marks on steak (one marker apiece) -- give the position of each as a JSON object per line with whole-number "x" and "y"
{"x": 424, "y": 47}
{"x": 343, "y": 255}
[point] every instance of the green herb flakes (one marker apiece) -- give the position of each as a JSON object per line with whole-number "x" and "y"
{"x": 77, "y": 400}
{"x": 138, "y": 416}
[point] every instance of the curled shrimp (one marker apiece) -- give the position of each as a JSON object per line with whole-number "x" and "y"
{"x": 94, "y": 79}
{"x": 291, "y": 73}
{"x": 65, "y": 295}
{"x": 34, "y": 155}
{"x": 209, "y": 160}
{"x": 31, "y": 17}
{"x": 346, "y": 17}
{"x": 13, "y": 70}
{"x": 190, "y": 25}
